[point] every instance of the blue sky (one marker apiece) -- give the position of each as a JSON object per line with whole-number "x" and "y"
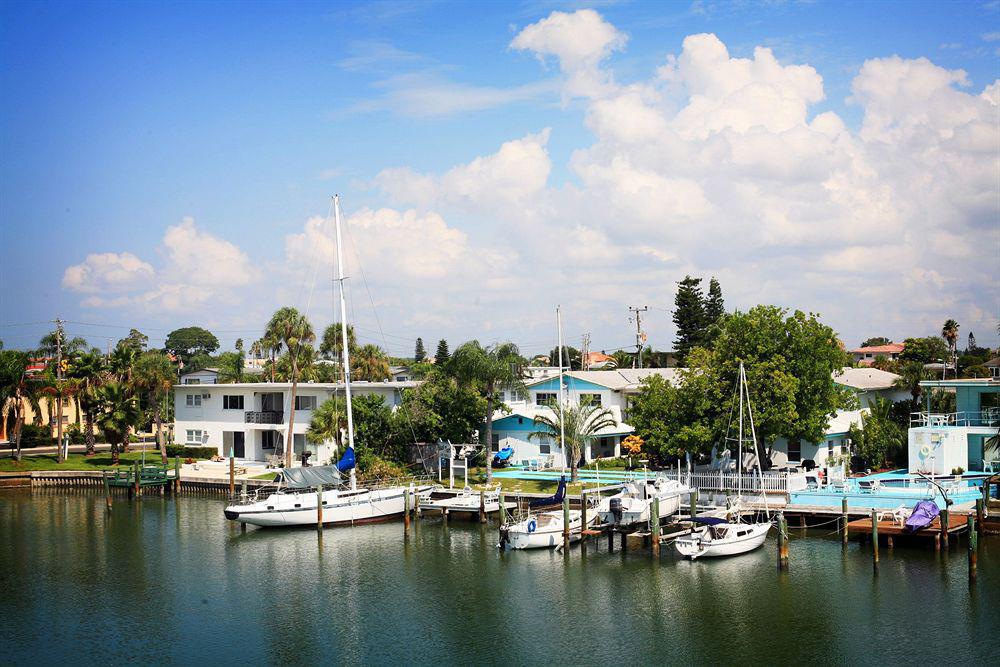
{"x": 122, "y": 120}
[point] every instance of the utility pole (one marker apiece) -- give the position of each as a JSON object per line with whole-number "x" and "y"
{"x": 585, "y": 354}
{"x": 59, "y": 396}
{"x": 639, "y": 336}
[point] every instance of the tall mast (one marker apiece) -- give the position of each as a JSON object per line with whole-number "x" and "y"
{"x": 343, "y": 333}
{"x": 562, "y": 405}
{"x": 753, "y": 437}
{"x": 739, "y": 464}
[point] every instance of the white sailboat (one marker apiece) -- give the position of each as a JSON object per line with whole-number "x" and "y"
{"x": 729, "y": 535}
{"x": 295, "y": 501}
{"x": 634, "y": 503}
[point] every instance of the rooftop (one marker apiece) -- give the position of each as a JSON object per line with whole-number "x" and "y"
{"x": 891, "y": 348}
{"x": 280, "y": 386}
{"x": 865, "y": 379}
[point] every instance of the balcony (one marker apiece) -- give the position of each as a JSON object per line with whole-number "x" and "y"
{"x": 988, "y": 418}
{"x": 264, "y": 417}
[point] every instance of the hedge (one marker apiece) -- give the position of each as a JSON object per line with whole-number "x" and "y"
{"x": 192, "y": 452}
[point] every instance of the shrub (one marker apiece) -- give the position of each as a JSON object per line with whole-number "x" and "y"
{"x": 36, "y": 436}
{"x": 191, "y": 452}
{"x": 76, "y": 436}
{"x": 958, "y": 471}
{"x": 371, "y": 466}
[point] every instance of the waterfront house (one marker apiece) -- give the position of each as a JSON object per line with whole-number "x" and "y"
{"x": 865, "y": 356}
{"x": 967, "y": 438}
{"x": 871, "y": 383}
{"x": 252, "y": 418}
{"x": 201, "y": 376}
{"x": 993, "y": 365}
{"x": 608, "y": 389}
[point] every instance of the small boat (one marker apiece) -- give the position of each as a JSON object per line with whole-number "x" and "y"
{"x": 467, "y": 501}
{"x": 722, "y": 535}
{"x": 544, "y": 529}
{"x": 633, "y": 504}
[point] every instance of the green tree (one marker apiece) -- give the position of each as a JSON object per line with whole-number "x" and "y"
{"x": 715, "y": 307}
{"x": 441, "y": 408}
{"x": 90, "y": 371}
{"x": 135, "y": 339}
{"x": 489, "y": 370}
{"x": 117, "y": 415}
{"x": 154, "y": 376}
{"x": 296, "y": 334}
{"x": 578, "y": 425}
{"x": 332, "y": 345}
{"x": 232, "y": 367}
{"x": 442, "y": 356}
{"x": 876, "y": 341}
{"x": 328, "y": 421}
{"x": 925, "y": 350}
{"x": 374, "y": 432}
{"x": 14, "y": 392}
{"x": 949, "y": 331}
{"x": 623, "y": 359}
{"x": 911, "y": 373}
{"x": 674, "y": 420}
{"x": 370, "y": 363}
{"x": 689, "y": 317}
{"x": 188, "y": 342}
{"x": 571, "y": 358}
{"x": 419, "y": 353}
{"x": 879, "y": 438}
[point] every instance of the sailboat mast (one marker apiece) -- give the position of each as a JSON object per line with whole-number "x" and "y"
{"x": 739, "y": 464}
{"x": 346, "y": 355}
{"x": 562, "y": 404}
{"x": 753, "y": 437}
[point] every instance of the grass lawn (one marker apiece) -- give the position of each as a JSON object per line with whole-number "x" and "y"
{"x": 477, "y": 479}
{"x": 75, "y": 462}
{"x": 269, "y": 476}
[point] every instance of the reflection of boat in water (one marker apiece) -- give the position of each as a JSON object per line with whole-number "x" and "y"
{"x": 722, "y": 536}
{"x": 633, "y": 504}
{"x": 544, "y": 529}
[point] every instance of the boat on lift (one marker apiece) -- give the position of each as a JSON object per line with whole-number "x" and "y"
{"x": 729, "y": 535}
{"x": 634, "y": 503}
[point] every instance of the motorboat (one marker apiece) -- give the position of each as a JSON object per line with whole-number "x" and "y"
{"x": 634, "y": 503}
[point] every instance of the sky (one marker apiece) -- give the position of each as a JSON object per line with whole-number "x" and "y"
{"x": 172, "y": 164}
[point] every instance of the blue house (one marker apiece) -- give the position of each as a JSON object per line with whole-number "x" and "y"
{"x": 967, "y": 438}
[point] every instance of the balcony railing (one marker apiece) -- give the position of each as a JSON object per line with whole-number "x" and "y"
{"x": 264, "y": 417}
{"x": 988, "y": 417}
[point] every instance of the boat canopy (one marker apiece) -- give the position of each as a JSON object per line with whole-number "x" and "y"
{"x": 304, "y": 478}
{"x": 709, "y": 520}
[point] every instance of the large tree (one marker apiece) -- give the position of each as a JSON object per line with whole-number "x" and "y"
{"x": 14, "y": 392}
{"x": 188, "y": 342}
{"x": 154, "y": 376}
{"x": 875, "y": 341}
{"x": 715, "y": 307}
{"x": 925, "y": 350}
{"x": 295, "y": 332}
{"x": 90, "y": 372}
{"x": 328, "y": 422}
{"x": 117, "y": 415}
{"x": 232, "y": 367}
{"x": 332, "y": 346}
{"x": 370, "y": 363}
{"x": 572, "y": 360}
{"x": 442, "y": 356}
{"x": 419, "y": 353}
{"x": 577, "y": 425}
{"x": 689, "y": 317}
{"x": 490, "y": 370}
{"x": 441, "y": 408}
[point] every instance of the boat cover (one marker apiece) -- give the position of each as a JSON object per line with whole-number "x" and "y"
{"x": 709, "y": 520}
{"x": 304, "y": 478}
{"x": 503, "y": 454}
{"x": 552, "y": 500}
{"x": 346, "y": 461}
{"x": 923, "y": 515}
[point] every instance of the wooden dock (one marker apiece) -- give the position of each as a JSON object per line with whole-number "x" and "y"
{"x": 891, "y": 530}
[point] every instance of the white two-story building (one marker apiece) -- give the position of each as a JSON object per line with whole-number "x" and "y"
{"x": 607, "y": 389}
{"x": 251, "y": 419}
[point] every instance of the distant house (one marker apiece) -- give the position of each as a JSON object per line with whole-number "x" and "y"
{"x": 865, "y": 356}
{"x": 202, "y": 376}
{"x": 994, "y": 366}
{"x": 598, "y": 361}
{"x": 400, "y": 373}
{"x": 871, "y": 383}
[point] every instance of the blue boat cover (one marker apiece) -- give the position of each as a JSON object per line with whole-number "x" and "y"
{"x": 552, "y": 500}
{"x": 346, "y": 461}
{"x": 503, "y": 454}
{"x": 709, "y": 520}
{"x": 923, "y": 514}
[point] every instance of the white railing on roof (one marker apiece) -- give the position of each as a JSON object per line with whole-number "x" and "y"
{"x": 988, "y": 417}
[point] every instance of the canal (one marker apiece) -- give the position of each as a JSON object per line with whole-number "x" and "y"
{"x": 173, "y": 582}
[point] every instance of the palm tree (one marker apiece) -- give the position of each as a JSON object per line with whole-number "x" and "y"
{"x": 293, "y": 330}
{"x": 332, "y": 346}
{"x": 14, "y": 390}
{"x": 232, "y": 367}
{"x": 949, "y": 331}
{"x": 154, "y": 374}
{"x": 122, "y": 362}
{"x": 490, "y": 370}
{"x": 910, "y": 375}
{"x": 370, "y": 363}
{"x": 623, "y": 359}
{"x": 579, "y": 425}
{"x": 118, "y": 414}
{"x": 328, "y": 422}
{"x": 89, "y": 370}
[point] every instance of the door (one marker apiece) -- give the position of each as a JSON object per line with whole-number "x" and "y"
{"x": 239, "y": 444}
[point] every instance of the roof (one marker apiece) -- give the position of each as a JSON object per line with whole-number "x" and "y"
{"x": 531, "y": 410}
{"x": 620, "y": 379}
{"x": 842, "y": 420}
{"x": 865, "y": 379}
{"x": 993, "y": 363}
{"x": 891, "y": 348}
{"x": 279, "y": 386}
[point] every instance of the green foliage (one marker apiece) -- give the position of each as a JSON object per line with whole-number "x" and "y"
{"x": 191, "y": 452}
{"x": 440, "y": 408}
{"x": 232, "y": 367}
{"x": 370, "y": 363}
{"x": 623, "y": 359}
{"x": 577, "y": 425}
{"x": 188, "y": 342}
{"x": 328, "y": 420}
{"x": 374, "y": 429}
{"x": 911, "y": 373}
{"x": 36, "y": 436}
{"x": 715, "y": 307}
{"x": 136, "y": 340}
{"x": 442, "y": 356}
{"x": 689, "y": 317}
{"x": 571, "y": 358}
{"x": 118, "y": 414}
{"x": 332, "y": 345}
{"x": 419, "y": 353}
{"x": 372, "y": 467}
{"x": 881, "y": 439}
{"x": 925, "y": 350}
{"x": 876, "y": 341}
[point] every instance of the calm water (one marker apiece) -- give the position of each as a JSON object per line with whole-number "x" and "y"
{"x": 166, "y": 581}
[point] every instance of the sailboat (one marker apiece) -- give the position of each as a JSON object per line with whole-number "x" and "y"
{"x": 295, "y": 500}
{"x": 729, "y": 535}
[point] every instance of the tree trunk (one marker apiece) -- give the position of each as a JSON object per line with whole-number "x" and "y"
{"x": 489, "y": 437}
{"x": 18, "y": 423}
{"x": 159, "y": 429}
{"x": 291, "y": 415}
{"x": 89, "y": 432}
{"x": 115, "y": 454}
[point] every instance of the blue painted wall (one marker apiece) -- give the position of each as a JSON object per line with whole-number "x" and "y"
{"x": 571, "y": 384}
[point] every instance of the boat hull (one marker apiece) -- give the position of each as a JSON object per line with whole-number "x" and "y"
{"x": 340, "y": 507}
{"x": 522, "y": 536}
{"x": 700, "y": 544}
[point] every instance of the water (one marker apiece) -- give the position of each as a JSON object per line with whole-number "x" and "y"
{"x": 173, "y": 582}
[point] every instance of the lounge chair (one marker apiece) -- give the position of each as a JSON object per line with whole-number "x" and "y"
{"x": 869, "y": 485}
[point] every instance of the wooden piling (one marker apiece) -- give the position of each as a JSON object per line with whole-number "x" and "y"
{"x": 566, "y": 521}
{"x": 107, "y": 489}
{"x": 655, "y": 528}
{"x": 136, "y": 473}
{"x": 973, "y": 548}
{"x": 611, "y": 540}
{"x": 319, "y": 506}
{"x": 843, "y": 521}
{"x": 875, "y": 538}
{"x": 979, "y": 513}
{"x": 583, "y": 519}
{"x": 243, "y": 527}
{"x": 944, "y": 528}
{"x": 406, "y": 512}
{"x": 503, "y": 507}
{"x": 232, "y": 474}
{"x": 694, "y": 503}
{"x": 177, "y": 474}
{"x": 482, "y": 506}
{"x": 782, "y": 542}
{"x": 243, "y": 489}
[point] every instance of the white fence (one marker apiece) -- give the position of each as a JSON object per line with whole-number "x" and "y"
{"x": 781, "y": 482}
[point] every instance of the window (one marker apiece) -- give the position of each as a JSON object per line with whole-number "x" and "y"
{"x": 496, "y": 441}
{"x": 305, "y": 402}
{"x": 544, "y": 445}
{"x": 795, "y": 451}
{"x": 193, "y": 400}
{"x": 195, "y": 436}
{"x": 269, "y": 439}
{"x": 192, "y": 381}
{"x": 546, "y": 399}
{"x": 232, "y": 402}
{"x": 594, "y": 400}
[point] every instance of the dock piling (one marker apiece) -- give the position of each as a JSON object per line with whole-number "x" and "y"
{"x": 177, "y": 475}
{"x": 319, "y": 506}
{"x": 655, "y": 528}
{"x": 232, "y": 474}
{"x": 973, "y": 548}
{"x": 843, "y": 521}
{"x": 482, "y": 506}
{"x": 107, "y": 489}
{"x": 875, "y": 538}
{"x": 979, "y": 513}
{"x": 694, "y": 503}
{"x": 944, "y": 528}
{"x": 566, "y": 522}
{"x": 406, "y": 513}
{"x": 583, "y": 520}
{"x": 782, "y": 542}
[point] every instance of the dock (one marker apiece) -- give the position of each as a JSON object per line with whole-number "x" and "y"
{"x": 891, "y": 530}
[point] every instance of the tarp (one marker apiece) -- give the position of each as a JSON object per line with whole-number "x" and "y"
{"x": 304, "y": 478}
{"x": 346, "y": 461}
{"x": 709, "y": 520}
{"x": 552, "y": 500}
{"x": 923, "y": 514}
{"x": 503, "y": 454}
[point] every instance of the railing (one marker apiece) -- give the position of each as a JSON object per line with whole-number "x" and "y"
{"x": 729, "y": 481}
{"x": 988, "y": 417}
{"x": 264, "y": 417}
